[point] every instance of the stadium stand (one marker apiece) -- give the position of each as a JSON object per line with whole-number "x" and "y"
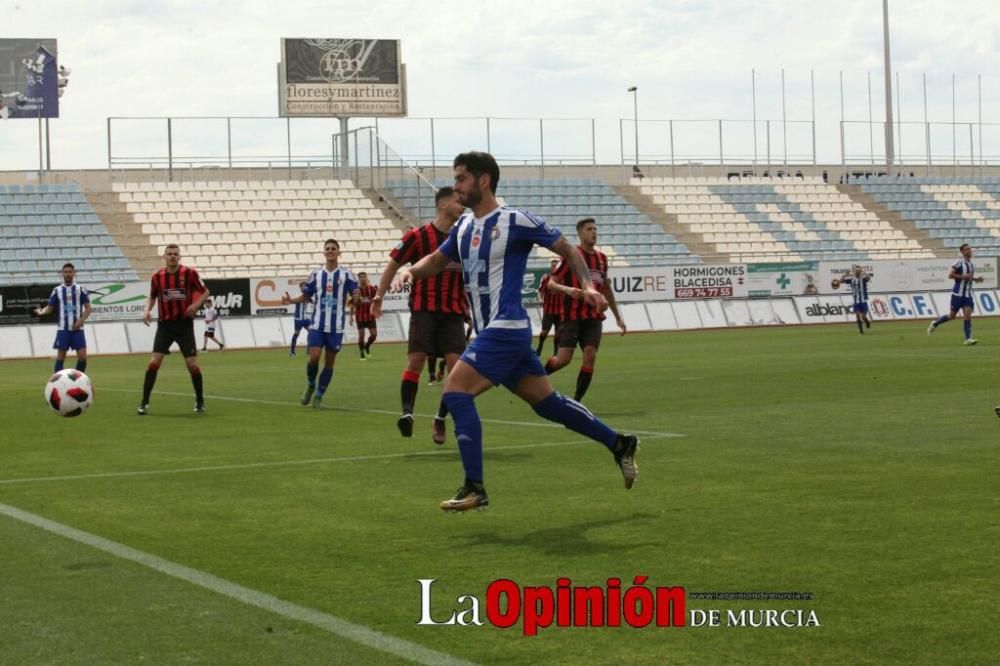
{"x": 778, "y": 219}
{"x": 626, "y": 235}
{"x": 46, "y": 225}
{"x": 951, "y": 210}
{"x": 252, "y": 228}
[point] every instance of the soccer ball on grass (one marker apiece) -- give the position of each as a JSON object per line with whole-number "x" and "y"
{"x": 69, "y": 393}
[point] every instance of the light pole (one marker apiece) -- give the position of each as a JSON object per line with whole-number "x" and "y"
{"x": 635, "y": 120}
{"x": 887, "y": 66}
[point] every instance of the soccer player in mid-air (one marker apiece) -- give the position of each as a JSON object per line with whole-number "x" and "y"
{"x": 71, "y": 303}
{"x": 582, "y": 324}
{"x": 857, "y": 279}
{"x": 551, "y": 311}
{"x": 362, "y": 314}
{"x": 963, "y": 272}
{"x": 331, "y": 288}
{"x": 179, "y": 294}
{"x": 301, "y": 318}
{"x": 493, "y": 243}
{"x": 437, "y": 303}
{"x": 211, "y": 315}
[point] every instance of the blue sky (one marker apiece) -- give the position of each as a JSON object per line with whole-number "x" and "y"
{"x": 526, "y": 59}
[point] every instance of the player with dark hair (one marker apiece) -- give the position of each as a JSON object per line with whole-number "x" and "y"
{"x": 211, "y": 315}
{"x": 437, "y": 304}
{"x": 301, "y": 318}
{"x": 582, "y": 324}
{"x": 179, "y": 294}
{"x": 331, "y": 288}
{"x": 963, "y": 272}
{"x": 857, "y": 279}
{"x": 72, "y": 304}
{"x": 362, "y": 315}
{"x": 493, "y": 243}
{"x": 551, "y": 301}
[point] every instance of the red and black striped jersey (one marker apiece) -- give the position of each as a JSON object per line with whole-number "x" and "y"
{"x": 175, "y": 291}
{"x": 573, "y": 308}
{"x": 444, "y": 292}
{"x": 552, "y": 300}
{"x": 363, "y": 306}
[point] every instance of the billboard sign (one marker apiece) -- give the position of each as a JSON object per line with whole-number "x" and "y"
{"x": 341, "y": 77}
{"x": 782, "y": 279}
{"x": 907, "y": 275}
{"x": 29, "y": 79}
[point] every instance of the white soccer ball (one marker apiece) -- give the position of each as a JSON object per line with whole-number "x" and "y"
{"x": 69, "y": 393}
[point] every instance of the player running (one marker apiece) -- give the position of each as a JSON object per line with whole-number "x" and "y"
{"x": 963, "y": 272}
{"x": 492, "y": 244}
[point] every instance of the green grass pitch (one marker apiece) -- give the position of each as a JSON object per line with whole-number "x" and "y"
{"x": 861, "y": 469}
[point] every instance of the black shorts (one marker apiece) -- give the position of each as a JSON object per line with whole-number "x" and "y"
{"x": 181, "y": 332}
{"x": 370, "y": 324}
{"x": 549, "y": 320}
{"x": 210, "y": 333}
{"x": 585, "y": 332}
{"x": 436, "y": 333}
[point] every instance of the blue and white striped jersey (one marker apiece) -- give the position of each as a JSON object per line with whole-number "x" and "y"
{"x": 67, "y": 301}
{"x": 859, "y": 288}
{"x": 963, "y": 287}
{"x": 493, "y": 251}
{"x": 304, "y": 310}
{"x": 330, "y": 292}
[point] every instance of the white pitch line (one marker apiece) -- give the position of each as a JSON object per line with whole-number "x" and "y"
{"x": 330, "y": 623}
{"x": 287, "y": 463}
{"x": 365, "y": 410}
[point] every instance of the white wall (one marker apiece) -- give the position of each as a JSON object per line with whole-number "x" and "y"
{"x": 116, "y": 337}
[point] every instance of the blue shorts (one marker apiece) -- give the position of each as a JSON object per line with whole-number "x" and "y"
{"x": 302, "y": 323}
{"x": 959, "y": 302}
{"x": 860, "y": 307}
{"x": 331, "y": 341}
{"x": 503, "y": 355}
{"x": 70, "y": 340}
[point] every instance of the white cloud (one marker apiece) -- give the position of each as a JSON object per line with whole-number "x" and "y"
{"x": 520, "y": 58}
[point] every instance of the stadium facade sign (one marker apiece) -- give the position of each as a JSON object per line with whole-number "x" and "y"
{"x": 782, "y": 279}
{"x": 230, "y": 297}
{"x": 29, "y": 79}
{"x": 17, "y": 303}
{"x": 688, "y": 282}
{"x": 118, "y": 300}
{"x": 341, "y": 78}
{"x": 906, "y": 275}
{"x": 265, "y": 295}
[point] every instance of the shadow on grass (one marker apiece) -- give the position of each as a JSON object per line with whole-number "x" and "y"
{"x": 488, "y": 456}
{"x": 573, "y": 538}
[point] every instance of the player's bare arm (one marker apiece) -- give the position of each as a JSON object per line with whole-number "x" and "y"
{"x": 609, "y": 294}
{"x": 384, "y": 283}
{"x": 558, "y": 287}
{"x": 293, "y": 300}
{"x": 430, "y": 265}
{"x": 41, "y": 312}
{"x": 147, "y": 313}
{"x": 953, "y": 275}
{"x": 78, "y": 324}
{"x": 592, "y": 296}
{"x": 197, "y": 303}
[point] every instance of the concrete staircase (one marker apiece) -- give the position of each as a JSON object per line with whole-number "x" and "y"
{"x": 134, "y": 244}
{"x": 401, "y": 218}
{"x": 895, "y": 220}
{"x": 696, "y": 243}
